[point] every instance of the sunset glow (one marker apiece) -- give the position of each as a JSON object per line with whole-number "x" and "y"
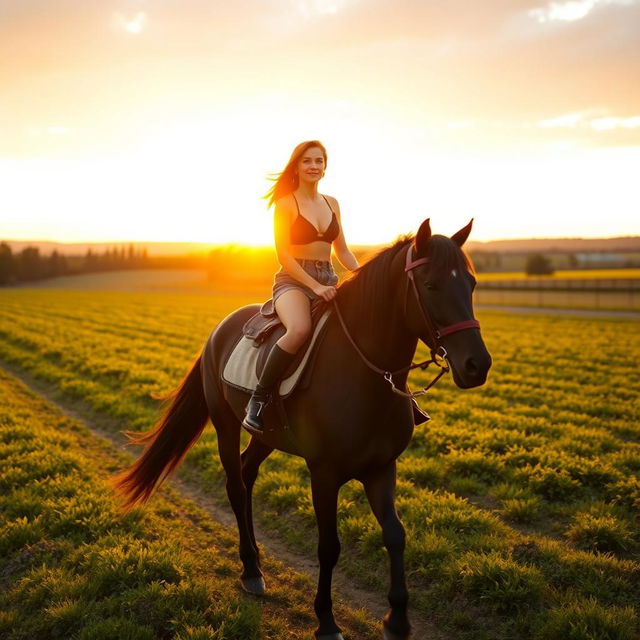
{"x": 162, "y": 122}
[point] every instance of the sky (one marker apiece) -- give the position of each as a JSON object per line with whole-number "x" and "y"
{"x": 161, "y": 120}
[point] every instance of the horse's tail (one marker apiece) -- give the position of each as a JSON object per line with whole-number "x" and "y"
{"x": 167, "y": 444}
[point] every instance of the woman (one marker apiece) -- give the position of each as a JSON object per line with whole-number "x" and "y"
{"x": 307, "y": 224}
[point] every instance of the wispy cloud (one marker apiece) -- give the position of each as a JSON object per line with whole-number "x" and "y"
{"x": 607, "y": 124}
{"x": 567, "y": 120}
{"x": 129, "y": 23}
{"x": 586, "y": 120}
{"x": 49, "y": 131}
{"x": 311, "y": 8}
{"x": 572, "y": 10}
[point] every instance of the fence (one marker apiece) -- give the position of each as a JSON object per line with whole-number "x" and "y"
{"x": 578, "y": 293}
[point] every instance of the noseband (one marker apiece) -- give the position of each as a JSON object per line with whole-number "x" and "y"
{"x": 438, "y": 352}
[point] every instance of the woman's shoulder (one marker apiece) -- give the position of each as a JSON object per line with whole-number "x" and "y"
{"x": 333, "y": 202}
{"x": 285, "y": 205}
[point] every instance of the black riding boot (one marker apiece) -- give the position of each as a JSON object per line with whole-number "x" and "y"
{"x": 275, "y": 367}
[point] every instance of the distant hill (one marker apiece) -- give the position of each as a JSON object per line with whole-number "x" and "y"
{"x": 551, "y": 245}
{"x": 523, "y": 245}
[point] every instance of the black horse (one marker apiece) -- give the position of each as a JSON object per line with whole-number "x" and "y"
{"x": 354, "y": 418}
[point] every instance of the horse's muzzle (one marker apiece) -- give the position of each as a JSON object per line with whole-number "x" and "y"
{"x": 472, "y": 371}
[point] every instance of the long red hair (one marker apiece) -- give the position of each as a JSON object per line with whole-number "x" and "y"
{"x": 287, "y": 181}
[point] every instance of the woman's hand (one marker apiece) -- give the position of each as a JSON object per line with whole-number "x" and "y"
{"x": 326, "y": 293}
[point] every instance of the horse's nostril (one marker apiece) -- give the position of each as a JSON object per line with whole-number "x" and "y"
{"x": 471, "y": 366}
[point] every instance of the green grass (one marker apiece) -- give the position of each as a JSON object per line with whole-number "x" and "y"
{"x": 520, "y": 499}
{"x": 72, "y": 566}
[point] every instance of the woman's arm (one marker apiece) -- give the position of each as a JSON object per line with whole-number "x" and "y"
{"x": 340, "y": 248}
{"x": 282, "y": 220}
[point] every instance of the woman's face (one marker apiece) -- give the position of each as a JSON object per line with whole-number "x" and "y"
{"x": 311, "y": 165}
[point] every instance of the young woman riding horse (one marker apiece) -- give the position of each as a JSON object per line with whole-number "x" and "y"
{"x": 354, "y": 417}
{"x": 304, "y": 252}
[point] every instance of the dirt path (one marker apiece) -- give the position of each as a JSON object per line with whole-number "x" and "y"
{"x": 375, "y": 603}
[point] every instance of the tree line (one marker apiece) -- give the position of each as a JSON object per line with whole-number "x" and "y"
{"x": 28, "y": 264}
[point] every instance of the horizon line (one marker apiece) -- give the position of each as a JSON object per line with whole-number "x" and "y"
{"x": 270, "y": 245}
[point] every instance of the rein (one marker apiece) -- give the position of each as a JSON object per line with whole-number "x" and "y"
{"x": 438, "y": 352}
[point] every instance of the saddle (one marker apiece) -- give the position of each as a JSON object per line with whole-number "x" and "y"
{"x": 245, "y": 363}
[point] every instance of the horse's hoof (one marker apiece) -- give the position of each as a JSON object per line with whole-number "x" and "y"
{"x": 254, "y": 586}
{"x": 331, "y": 636}
{"x": 389, "y": 635}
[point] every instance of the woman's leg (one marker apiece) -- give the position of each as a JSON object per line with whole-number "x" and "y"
{"x": 294, "y": 309}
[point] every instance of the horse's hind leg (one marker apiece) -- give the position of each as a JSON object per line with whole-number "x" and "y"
{"x": 252, "y": 457}
{"x": 228, "y": 428}
{"x": 380, "y": 489}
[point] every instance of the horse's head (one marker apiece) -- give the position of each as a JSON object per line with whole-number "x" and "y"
{"x": 442, "y": 311}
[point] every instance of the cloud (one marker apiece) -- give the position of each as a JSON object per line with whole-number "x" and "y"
{"x": 607, "y": 124}
{"x": 132, "y": 23}
{"x": 572, "y": 10}
{"x": 567, "y": 120}
{"x": 585, "y": 120}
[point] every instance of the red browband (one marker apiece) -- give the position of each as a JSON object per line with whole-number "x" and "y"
{"x": 416, "y": 263}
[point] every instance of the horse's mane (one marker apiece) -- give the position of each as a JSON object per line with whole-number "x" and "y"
{"x": 444, "y": 253}
{"x": 371, "y": 288}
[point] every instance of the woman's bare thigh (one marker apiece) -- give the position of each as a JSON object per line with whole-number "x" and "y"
{"x": 294, "y": 310}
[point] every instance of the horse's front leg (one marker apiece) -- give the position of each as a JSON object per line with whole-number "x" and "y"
{"x": 324, "y": 488}
{"x": 380, "y": 488}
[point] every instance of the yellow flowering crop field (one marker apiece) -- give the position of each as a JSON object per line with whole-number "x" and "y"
{"x": 564, "y": 274}
{"x": 520, "y": 499}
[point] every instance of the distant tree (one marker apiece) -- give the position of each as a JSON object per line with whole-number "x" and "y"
{"x": 57, "y": 265}
{"x": 7, "y": 264}
{"x": 90, "y": 261}
{"x": 30, "y": 265}
{"x": 538, "y": 265}
{"x": 573, "y": 261}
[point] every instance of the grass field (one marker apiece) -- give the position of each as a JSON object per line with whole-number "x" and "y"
{"x": 521, "y": 499}
{"x": 73, "y": 567}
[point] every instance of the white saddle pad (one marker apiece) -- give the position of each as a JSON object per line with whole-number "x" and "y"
{"x": 240, "y": 370}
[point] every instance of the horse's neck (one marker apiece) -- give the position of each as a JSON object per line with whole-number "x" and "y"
{"x": 377, "y": 324}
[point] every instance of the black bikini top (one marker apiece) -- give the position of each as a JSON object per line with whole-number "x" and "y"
{"x": 303, "y": 232}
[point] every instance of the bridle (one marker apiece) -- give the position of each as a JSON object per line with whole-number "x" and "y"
{"x": 435, "y": 333}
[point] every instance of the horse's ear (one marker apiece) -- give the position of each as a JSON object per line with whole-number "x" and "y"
{"x": 461, "y": 236}
{"x": 422, "y": 238}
